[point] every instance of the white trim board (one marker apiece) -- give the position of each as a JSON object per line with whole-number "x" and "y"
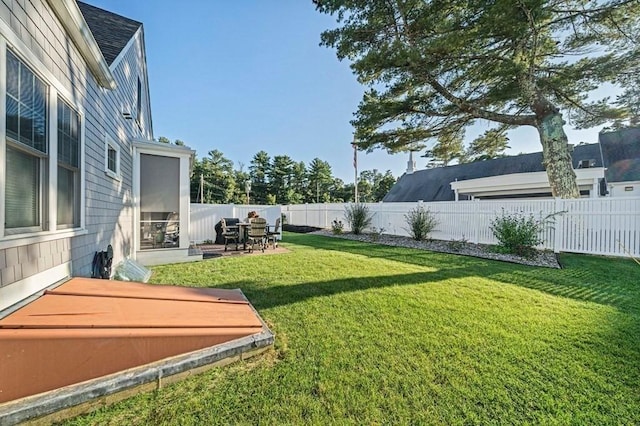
{"x": 15, "y": 292}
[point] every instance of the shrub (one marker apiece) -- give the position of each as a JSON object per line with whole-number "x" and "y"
{"x": 358, "y": 216}
{"x": 376, "y": 233}
{"x": 518, "y": 233}
{"x": 421, "y": 223}
{"x": 458, "y": 245}
{"x": 337, "y": 226}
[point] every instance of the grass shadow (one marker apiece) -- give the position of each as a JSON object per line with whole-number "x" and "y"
{"x": 273, "y": 296}
{"x": 609, "y": 281}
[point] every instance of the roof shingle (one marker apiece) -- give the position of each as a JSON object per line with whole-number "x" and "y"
{"x": 112, "y": 32}
{"x": 435, "y": 184}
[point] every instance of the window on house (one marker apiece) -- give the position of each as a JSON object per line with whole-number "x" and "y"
{"x": 112, "y": 158}
{"x": 68, "y": 202}
{"x": 26, "y": 149}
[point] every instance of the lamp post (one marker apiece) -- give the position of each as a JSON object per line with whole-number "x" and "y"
{"x": 247, "y": 188}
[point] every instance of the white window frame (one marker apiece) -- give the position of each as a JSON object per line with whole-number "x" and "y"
{"x": 110, "y": 143}
{"x": 43, "y": 158}
{"x": 50, "y": 231}
{"x": 79, "y": 169}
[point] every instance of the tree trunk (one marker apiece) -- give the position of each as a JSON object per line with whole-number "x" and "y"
{"x": 555, "y": 150}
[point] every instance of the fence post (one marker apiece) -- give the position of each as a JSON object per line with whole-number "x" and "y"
{"x": 558, "y": 229}
{"x": 478, "y": 220}
{"x": 326, "y": 216}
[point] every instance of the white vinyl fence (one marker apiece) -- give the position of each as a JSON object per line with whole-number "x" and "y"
{"x": 204, "y": 217}
{"x": 606, "y": 226}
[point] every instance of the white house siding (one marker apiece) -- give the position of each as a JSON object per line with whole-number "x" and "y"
{"x": 108, "y": 202}
{"x": 624, "y": 189}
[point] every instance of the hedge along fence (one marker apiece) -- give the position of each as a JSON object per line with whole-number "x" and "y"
{"x": 605, "y": 226}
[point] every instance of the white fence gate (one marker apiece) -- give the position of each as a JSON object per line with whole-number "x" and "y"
{"x": 606, "y": 226}
{"x": 204, "y": 217}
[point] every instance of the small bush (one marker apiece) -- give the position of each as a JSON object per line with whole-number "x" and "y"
{"x": 458, "y": 245}
{"x": 358, "y": 216}
{"x": 421, "y": 223}
{"x": 376, "y": 233}
{"x": 518, "y": 233}
{"x": 337, "y": 227}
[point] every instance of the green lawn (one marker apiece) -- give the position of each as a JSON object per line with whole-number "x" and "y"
{"x": 369, "y": 334}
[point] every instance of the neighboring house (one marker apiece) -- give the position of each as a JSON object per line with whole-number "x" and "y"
{"x": 75, "y": 125}
{"x": 621, "y": 154}
{"x": 610, "y": 167}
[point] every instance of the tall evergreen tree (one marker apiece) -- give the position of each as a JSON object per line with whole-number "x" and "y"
{"x": 298, "y": 183}
{"x": 319, "y": 178}
{"x": 239, "y": 194}
{"x": 258, "y": 173}
{"x": 219, "y": 180}
{"x": 433, "y": 66}
{"x": 280, "y": 176}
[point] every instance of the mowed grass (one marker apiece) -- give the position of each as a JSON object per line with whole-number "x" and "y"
{"x": 369, "y": 334}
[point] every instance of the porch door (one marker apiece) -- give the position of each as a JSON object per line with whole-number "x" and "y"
{"x": 159, "y": 202}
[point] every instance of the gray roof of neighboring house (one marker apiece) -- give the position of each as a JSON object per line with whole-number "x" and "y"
{"x": 435, "y": 184}
{"x": 112, "y": 32}
{"x": 621, "y": 153}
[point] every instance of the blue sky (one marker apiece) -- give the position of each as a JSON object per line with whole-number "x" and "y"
{"x": 244, "y": 76}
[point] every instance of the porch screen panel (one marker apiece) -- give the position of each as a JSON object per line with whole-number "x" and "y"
{"x": 159, "y": 184}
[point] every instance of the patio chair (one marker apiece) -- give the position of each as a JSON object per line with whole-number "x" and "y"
{"x": 257, "y": 233}
{"x": 274, "y": 235}
{"x": 229, "y": 234}
{"x": 172, "y": 230}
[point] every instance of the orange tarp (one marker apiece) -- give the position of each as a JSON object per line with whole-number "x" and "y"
{"x": 89, "y": 328}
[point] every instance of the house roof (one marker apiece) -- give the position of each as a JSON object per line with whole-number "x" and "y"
{"x": 621, "y": 153}
{"x": 435, "y": 184}
{"x": 78, "y": 30}
{"x": 112, "y": 32}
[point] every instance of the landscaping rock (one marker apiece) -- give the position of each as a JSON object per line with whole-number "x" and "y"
{"x": 544, "y": 259}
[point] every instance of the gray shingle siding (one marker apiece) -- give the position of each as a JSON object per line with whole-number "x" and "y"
{"x": 108, "y": 202}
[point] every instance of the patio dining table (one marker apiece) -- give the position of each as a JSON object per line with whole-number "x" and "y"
{"x": 243, "y": 232}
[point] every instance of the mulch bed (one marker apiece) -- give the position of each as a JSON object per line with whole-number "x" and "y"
{"x": 300, "y": 229}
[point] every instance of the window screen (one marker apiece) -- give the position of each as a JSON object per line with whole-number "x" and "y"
{"x": 26, "y": 147}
